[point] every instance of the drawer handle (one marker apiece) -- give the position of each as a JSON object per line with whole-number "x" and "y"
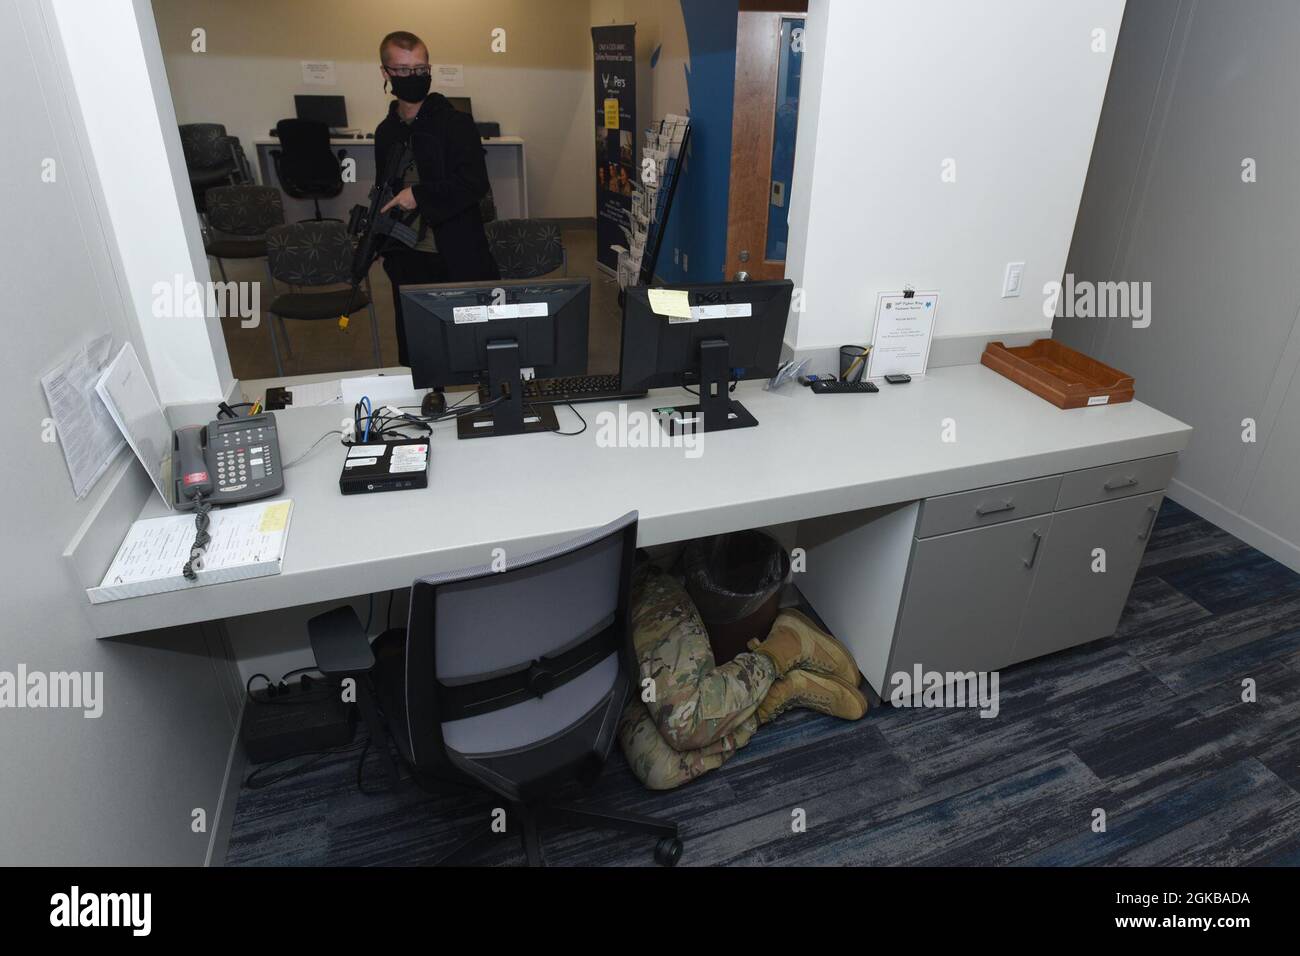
{"x": 1155, "y": 513}
{"x": 985, "y": 512}
{"x": 1128, "y": 482}
{"x": 1038, "y": 541}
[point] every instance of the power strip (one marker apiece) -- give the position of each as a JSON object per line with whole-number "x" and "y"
{"x": 304, "y": 716}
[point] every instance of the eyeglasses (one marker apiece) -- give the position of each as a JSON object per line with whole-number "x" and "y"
{"x": 408, "y": 70}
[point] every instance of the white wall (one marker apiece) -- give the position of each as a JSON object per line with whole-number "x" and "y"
{"x": 138, "y": 172}
{"x": 540, "y": 88}
{"x": 1197, "y": 88}
{"x": 118, "y": 789}
{"x": 1009, "y": 89}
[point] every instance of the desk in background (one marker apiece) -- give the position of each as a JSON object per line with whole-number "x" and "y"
{"x": 506, "y": 166}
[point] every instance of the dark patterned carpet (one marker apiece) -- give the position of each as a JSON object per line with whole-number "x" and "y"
{"x": 1148, "y": 725}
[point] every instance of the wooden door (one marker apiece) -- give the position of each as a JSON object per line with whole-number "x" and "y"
{"x": 768, "y": 68}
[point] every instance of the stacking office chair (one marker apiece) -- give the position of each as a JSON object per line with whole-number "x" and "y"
{"x": 526, "y": 248}
{"x": 314, "y": 253}
{"x": 510, "y": 681}
{"x": 212, "y": 158}
{"x": 307, "y": 167}
{"x": 238, "y": 218}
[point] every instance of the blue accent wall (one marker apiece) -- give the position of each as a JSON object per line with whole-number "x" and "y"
{"x": 697, "y": 224}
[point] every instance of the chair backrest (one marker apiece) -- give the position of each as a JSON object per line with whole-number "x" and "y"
{"x": 525, "y": 248}
{"x": 206, "y": 145}
{"x": 317, "y": 252}
{"x": 307, "y": 165}
{"x": 244, "y": 210}
{"x": 517, "y": 677}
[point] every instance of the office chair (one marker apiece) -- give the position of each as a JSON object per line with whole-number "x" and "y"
{"x": 212, "y": 158}
{"x": 306, "y": 165}
{"x": 510, "y": 681}
{"x": 241, "y": 215}
{"x": 526, "y": 248}
{"x": 314, "y": 253}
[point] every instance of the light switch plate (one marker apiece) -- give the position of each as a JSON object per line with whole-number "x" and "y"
{"x": 1014, "y": 280}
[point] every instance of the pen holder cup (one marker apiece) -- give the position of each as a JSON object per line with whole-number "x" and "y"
{"x": 853, "y": 363}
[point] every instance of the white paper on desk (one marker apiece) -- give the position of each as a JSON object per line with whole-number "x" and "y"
{"x": 247, "y": 541}
{"x": 130, "y": 400}
{"x": 378, "y": 388}
{"x": 306, "y": 394}
{"x": 904, "y": 327}
{"x": 87, "y": 434}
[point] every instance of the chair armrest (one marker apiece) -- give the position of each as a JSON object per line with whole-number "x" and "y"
{"x": 339, "y": 642}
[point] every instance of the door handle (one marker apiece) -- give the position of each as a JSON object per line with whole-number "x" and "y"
{"x": 1038, "y": 541}
{"x": 1005, "y": 506}
{"x": 1155, "y": 513}
{"x": 1128, "y": 482}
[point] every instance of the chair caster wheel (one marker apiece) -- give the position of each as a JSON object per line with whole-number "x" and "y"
{"x": 668, "y": 851}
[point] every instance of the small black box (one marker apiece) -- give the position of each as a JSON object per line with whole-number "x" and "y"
{"x": 385, "y": 466}
{"x": 300, "y": 719}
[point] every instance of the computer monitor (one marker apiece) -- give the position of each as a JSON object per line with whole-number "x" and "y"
{"x": 461, "y": 103}
{"x": 735, "y": 332}
{"x": 462, "y": 333}
{"x": 330, "y": 110}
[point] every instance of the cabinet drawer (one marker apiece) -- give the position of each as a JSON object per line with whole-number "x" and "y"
{"x": 1115, "y": 481}
{"x": 986, "y": 506}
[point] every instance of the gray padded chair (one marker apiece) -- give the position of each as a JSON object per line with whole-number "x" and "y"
{"x": 314, "y": 253}
{"x": 526, "y": 248}
{"x": 238, "y": 218}
{"x": 512, "y": 681}
{"x": 212, "y": 158}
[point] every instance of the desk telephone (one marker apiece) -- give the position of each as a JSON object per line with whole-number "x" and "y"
{"x": 228, "y": 461}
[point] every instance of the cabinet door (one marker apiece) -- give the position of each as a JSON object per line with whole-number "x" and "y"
{"x": 1071, "y": 602}
{"x": 965, "y": 595}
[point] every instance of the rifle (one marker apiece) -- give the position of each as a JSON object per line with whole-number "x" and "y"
{"x": 369, "y": 229}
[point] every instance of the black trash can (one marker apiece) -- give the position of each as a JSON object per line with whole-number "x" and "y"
{"x": 735, "y": 581}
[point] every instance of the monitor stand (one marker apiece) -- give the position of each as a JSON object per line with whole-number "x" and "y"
{"x": 716, "y": 411}
{"x": 507, "y": 417}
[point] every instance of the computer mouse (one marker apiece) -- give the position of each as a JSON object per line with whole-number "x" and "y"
{"x": 435, "y": 403}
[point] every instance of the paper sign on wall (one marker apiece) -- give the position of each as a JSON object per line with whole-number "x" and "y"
{"x": 448, "y": 74}
{"x": 318, "y": 72}
{"x": 900, "y": 344}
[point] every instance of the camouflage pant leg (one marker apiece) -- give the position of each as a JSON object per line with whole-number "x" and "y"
{"x": 696, "y": 706}
{"x": 658, "y": 765}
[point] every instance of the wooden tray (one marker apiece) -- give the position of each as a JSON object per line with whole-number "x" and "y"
{"x": 1056, "y": 372}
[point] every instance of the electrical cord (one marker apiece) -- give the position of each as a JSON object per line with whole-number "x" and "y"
{"x": 556, "y": 431}
{"x": 201, "y": 539}
{"x": 254, "y": 782}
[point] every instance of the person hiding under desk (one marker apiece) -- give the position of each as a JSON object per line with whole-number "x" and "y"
{"x": 700, "y": 714}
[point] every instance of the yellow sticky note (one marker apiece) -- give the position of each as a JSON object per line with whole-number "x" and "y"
{"x": 675, "y": 303}
{"x": 611, "y": 113}
{"x": 274, "y": 518}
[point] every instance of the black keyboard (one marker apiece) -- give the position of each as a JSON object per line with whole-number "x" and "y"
{"x": 843, "y": 388}
{"x": 571, "y": 391}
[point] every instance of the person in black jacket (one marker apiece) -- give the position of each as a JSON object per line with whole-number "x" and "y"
{"x": 446, "y": 181}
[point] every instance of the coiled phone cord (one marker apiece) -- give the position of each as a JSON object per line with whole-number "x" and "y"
{"x": 201, "y": 539}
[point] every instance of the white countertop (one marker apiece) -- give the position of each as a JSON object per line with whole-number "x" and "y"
{"x": 810, "y": 455}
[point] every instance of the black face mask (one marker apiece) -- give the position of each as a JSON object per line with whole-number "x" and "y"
{"x": 411, "y": 89}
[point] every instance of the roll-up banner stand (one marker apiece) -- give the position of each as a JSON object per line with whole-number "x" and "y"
{"x": 615, "y": 56}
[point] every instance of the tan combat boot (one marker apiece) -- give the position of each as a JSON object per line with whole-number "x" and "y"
{"x": 794, "y": 641}
{"x": 819, "y": 692}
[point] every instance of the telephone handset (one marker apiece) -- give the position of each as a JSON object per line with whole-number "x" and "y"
{"x": 227, "y": 461}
